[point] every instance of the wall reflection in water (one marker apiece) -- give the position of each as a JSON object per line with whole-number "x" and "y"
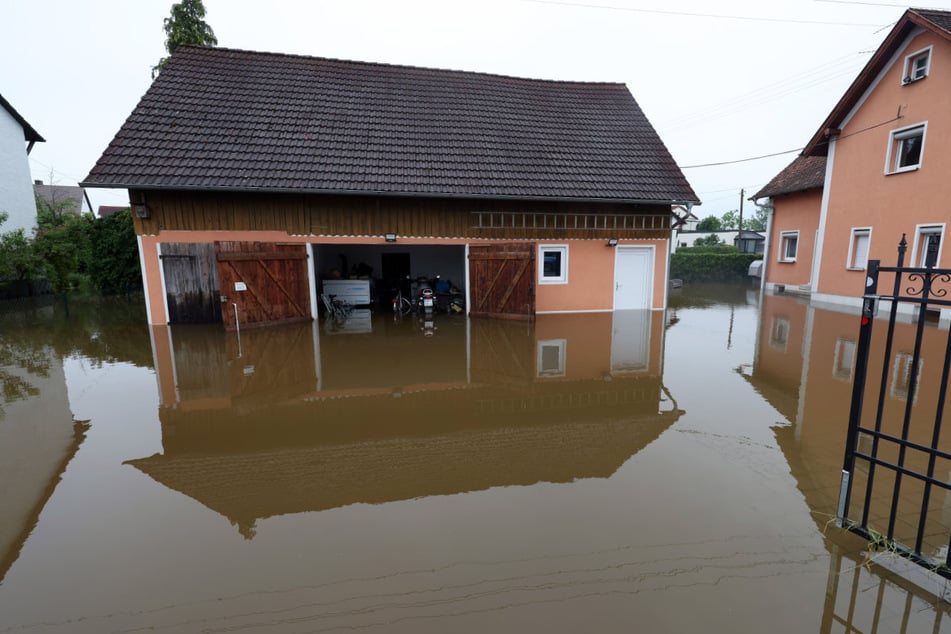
{"x": 292, "y": 419}
{"x": 804, "y": 366}
{"x": 38, "y": 436}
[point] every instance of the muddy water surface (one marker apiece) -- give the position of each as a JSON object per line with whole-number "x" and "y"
{"x": 607, "y": 473}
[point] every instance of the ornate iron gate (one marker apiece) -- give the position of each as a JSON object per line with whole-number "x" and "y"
{"x": 896, "y": 474}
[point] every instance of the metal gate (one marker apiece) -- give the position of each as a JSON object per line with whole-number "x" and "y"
{"x": 896, "y": 474}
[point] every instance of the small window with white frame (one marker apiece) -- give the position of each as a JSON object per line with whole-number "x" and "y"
{"x": 788, "y": 246}
{"x": 927, "y": 237}
{"x": 905, "y": 149}
{"x": 779, "y": 333}
{"x": 843, "y": 362}
{"x": 553, "y": 264}
{"x": 858, "y": 248}
{"x": 552, "y": 355}
{"x": 917, "y": 66}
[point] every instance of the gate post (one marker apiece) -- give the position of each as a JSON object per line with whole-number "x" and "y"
{"x": 858, "y": 387}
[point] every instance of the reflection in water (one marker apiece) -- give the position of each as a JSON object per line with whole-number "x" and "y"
{"x": 302, "y": 422}
{"x": 804, "y": 366}
{"x": 477, "y": 476}
{"x": 38, "y": 436}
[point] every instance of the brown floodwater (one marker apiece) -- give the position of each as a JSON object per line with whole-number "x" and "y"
{"x": 647, "y": 472}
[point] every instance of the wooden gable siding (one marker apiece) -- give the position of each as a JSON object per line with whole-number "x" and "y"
{"x": 304, "y": 214}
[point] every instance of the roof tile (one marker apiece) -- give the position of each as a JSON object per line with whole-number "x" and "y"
{"x": 223, "y": 118}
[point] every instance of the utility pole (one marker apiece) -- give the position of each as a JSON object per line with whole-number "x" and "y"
{"x": 740, "y": 228}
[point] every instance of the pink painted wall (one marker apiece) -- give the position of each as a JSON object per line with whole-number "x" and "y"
{"x": 861, "y": 195}
{"x": 591, "y": 277}
{"x": 794, "y": 212}
{"x": 590, "y": 267}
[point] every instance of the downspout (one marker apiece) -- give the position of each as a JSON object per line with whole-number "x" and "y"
{"x": 769, "y": 240}
{"x": 823, "y": 217}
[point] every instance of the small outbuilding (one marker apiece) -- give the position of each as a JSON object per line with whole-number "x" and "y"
{"x": 254, "y": 178}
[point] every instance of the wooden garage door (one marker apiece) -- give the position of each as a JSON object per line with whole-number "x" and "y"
{"x": 266, "y": 282}
{"x": 502, "y": 280}
{"x": 191, "y": 283}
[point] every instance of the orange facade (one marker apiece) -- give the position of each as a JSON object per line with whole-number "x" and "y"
{"x": 886, "y": 174}
{"x": 589, "y": 285}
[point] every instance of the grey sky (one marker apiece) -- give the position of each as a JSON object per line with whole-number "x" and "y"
{"x": 720, "y": 81}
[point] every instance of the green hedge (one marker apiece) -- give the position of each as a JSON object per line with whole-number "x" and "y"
{"x": 711, "y": 267}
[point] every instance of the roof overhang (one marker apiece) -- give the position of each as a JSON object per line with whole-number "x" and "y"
{"x": 351, "y": 192}
{"x": 911, "y": 20}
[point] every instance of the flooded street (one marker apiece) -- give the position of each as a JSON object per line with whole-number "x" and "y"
{"x": 589, "y": 472}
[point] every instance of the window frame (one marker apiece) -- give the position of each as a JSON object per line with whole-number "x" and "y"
{"x": 784, "y": 237}
{"x": 843, "y": 360}
{"x": 561, "y": 348}
{"x": 908, "y": 74}
{"x": 918, "y": 248}
{"x": 857, "y": 232}
{"x": 896, "y": 139}
{"x": 562, "y": 277}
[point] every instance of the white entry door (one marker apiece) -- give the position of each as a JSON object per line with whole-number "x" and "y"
{"x": 633, "y": 278}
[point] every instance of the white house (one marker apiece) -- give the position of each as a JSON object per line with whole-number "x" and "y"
{"x": 16, "y": 187}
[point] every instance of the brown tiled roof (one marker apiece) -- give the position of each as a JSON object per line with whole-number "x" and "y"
{"x": 933, "y": 20}
{"x": 806, "y": 172}
{"x": 238, "y": 120}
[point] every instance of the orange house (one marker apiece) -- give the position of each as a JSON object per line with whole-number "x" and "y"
{"x": 876, "y": 170}
{"x": 259, "y": 181}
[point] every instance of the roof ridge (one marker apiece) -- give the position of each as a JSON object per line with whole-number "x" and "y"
{"x": 430, "y": 69}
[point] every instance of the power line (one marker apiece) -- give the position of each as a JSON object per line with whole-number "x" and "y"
{"x": 743, "y": 160}
{"x": 698, "y": 15}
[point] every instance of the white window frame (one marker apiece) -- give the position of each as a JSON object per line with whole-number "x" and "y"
{"x": 561, "y": 348}
{"x": 843, "y": 362}
{"x": 918, "y": 249}
{"x": 901, "y": 376}
{"x": 779, "y": 333}
{"x": 896, "y": 139}
{"x": 562, "y": 278}
{"x": 858, "y": 232}
{"x": 912, "y": 72}
{"x": 784, "y": 237}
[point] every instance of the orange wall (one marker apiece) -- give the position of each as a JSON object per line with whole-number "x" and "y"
{"x": 861, "y": 195}
{"x": 794, "y": 212}
{"x": 590, "y": 267}
{"x": 591, "y": 277}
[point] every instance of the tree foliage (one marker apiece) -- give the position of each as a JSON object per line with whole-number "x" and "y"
{"x": 708, "y": 241}
{"x": 710, "y": 223}
{"x": 185, "y": 25}
{"x": 758, "y": 221}
{"x": 70, "y": 251}
{"x": 730, "y": 220}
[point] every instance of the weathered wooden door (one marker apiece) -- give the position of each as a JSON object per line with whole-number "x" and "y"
{"x": 191, "y": 283}
{"x": 502, "y": 280}
{"x": 263, "y": 283}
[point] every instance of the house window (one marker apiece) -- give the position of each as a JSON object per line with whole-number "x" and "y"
{"x": 843, "y": 363}
{"x": 858, "y": 248}
{"x": 551, "y": 357}
{"x": 917, "y": 66}
{"x": 788, "y": 246}
{"x": 927, "y": 237}
{"x": 901, "y": 376}
{"x": 779, "y": 333}
{"x": 553, "y": 264}
{"x": 905, "y": 147}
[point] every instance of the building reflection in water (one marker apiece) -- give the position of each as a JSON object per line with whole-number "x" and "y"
{"x": 297, "y": 419}
{"x": 38, "y": 435}
{"x": 804, "y": 366}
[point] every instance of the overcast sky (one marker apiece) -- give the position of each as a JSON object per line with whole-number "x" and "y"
{"x": 720, "y": 81}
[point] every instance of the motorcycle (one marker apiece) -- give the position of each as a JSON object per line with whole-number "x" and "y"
{"x": 426, "y": 300}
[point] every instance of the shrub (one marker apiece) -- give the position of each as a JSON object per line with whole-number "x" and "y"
{"x": 694, "y": 266}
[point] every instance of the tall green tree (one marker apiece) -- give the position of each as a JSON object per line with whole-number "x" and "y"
{"x": 730, "y": 220}
{"x": 710, "y": 223}
{"x": 185, "y": 25}
{"x": 758, "y": 221}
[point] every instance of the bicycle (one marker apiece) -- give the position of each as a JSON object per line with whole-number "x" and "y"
{"x": 401, "y": 305}
{"x": 337, "y": 309}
